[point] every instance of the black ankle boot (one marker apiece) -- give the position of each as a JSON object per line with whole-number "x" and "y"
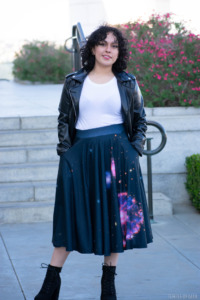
{"x": 108, "y": 291}
{"x": 51, "y": 285}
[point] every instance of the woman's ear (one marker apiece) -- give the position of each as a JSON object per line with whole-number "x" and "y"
{"x": 93, "y": 51}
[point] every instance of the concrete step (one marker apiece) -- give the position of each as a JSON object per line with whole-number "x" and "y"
{"x": 28, "y": 172}
{"x": 27, "y": 123}
{"x": 17, "y": 155}
{"x": 42, "y": 211}
{"x": 27, "y": 191}
{"x": 12, "y": 138}
{"x": 26, "y": 212}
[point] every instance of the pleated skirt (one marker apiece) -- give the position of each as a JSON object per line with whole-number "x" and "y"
{"x": 100, "y": 204}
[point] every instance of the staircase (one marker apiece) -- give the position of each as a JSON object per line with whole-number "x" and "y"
{"x": 28, "y": 168}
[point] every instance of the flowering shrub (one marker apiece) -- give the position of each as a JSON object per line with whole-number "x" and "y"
{"x": 165, "y": 58}
{"x": 41, "y": 62}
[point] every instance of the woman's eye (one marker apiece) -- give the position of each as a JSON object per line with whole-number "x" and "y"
{"x": 115, "y": 46}
{"x": 102, "y": 44}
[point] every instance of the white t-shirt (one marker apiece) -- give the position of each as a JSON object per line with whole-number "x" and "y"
{"x": 100, "y": 105}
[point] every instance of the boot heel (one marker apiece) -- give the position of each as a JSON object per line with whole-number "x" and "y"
{"x": 56, "y": 293}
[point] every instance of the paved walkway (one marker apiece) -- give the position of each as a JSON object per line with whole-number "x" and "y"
{"x": 168, "y": 269}
{"x": 29, "y": 100}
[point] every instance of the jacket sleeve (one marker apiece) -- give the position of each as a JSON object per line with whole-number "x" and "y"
{"x": 139, "y": 121}
{"x": 63, "y": 121}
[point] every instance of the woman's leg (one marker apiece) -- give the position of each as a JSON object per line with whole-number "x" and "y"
{"x": 112, "y": 259}
{"x": 59, "y": 257}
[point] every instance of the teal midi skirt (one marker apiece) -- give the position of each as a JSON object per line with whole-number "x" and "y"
{"x": 100, "y": 203}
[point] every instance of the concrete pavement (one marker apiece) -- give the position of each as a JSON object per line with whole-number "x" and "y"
{"x": 168, "y": 269}
{"x": 29, "y": 100}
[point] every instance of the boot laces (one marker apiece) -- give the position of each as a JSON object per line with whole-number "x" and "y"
{"x": 49, "y": 281}
{"x": 108, "y": 282}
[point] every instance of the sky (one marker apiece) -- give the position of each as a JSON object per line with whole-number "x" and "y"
{"x": 24, "y": 20}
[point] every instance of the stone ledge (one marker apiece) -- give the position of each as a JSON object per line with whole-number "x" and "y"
{"x": 162, "y": 205}
{"x": 27, "y": 191}
{"x": 28, "y": 137}
{"x": 172, "y": 111}
{"x": 28, "y": 172}
{"x": 26, "y": 212}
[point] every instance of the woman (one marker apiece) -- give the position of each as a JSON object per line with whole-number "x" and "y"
{"x": 100, "y": 202}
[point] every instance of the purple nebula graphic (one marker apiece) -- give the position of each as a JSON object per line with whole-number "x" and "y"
{"x": 112, "y": 167}
{"x": 131, "y": 216}
{"x": 108, "y": 179}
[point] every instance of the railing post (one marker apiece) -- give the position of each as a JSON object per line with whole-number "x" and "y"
{"x": 149, "y": 176}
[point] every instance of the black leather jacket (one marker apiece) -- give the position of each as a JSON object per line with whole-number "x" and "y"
{"x": 132, "y": 110}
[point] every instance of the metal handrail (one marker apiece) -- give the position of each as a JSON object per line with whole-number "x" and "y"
{"x": 78, "y": 41}
{"x": 149, "y": 153}
{"x": 163, "y": 140}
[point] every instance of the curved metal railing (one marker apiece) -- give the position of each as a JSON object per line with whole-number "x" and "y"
{"x": 78, "y": 41}
{"x": 149, "y": 153}
{"x": 163, "y": 140}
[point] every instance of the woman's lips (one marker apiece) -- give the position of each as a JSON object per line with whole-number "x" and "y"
{"x": 106, "y": 57}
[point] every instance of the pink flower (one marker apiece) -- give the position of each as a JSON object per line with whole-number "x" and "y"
{"x": 182, "y": 52}
{"x": 140, "y": 50}
{"x": 147, "y": 90}
{"x": 170, "y": 65}
{"x": 185, "y": 100}
{"x": 159, "y": 77}
{"x": 179, "y": 83}
{"x": 130, "y": 52}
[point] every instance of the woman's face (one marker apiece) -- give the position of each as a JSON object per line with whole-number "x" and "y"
{"x": 106, "y": 52}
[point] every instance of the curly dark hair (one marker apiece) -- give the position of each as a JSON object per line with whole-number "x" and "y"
{"x": 100, "y": 34}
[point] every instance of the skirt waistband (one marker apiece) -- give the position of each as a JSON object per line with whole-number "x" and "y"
{"x": 111, "y": 129}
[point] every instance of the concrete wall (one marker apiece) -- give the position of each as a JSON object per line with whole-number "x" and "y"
{"x": 183, "y": 139}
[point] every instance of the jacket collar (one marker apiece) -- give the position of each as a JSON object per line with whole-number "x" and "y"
{"x": 82, "y": 73}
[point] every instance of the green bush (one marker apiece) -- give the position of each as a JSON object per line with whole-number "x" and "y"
{"x": 193, "y": 179}
{"x": 42, "y": 62}
{"x": 164, "y": 57}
